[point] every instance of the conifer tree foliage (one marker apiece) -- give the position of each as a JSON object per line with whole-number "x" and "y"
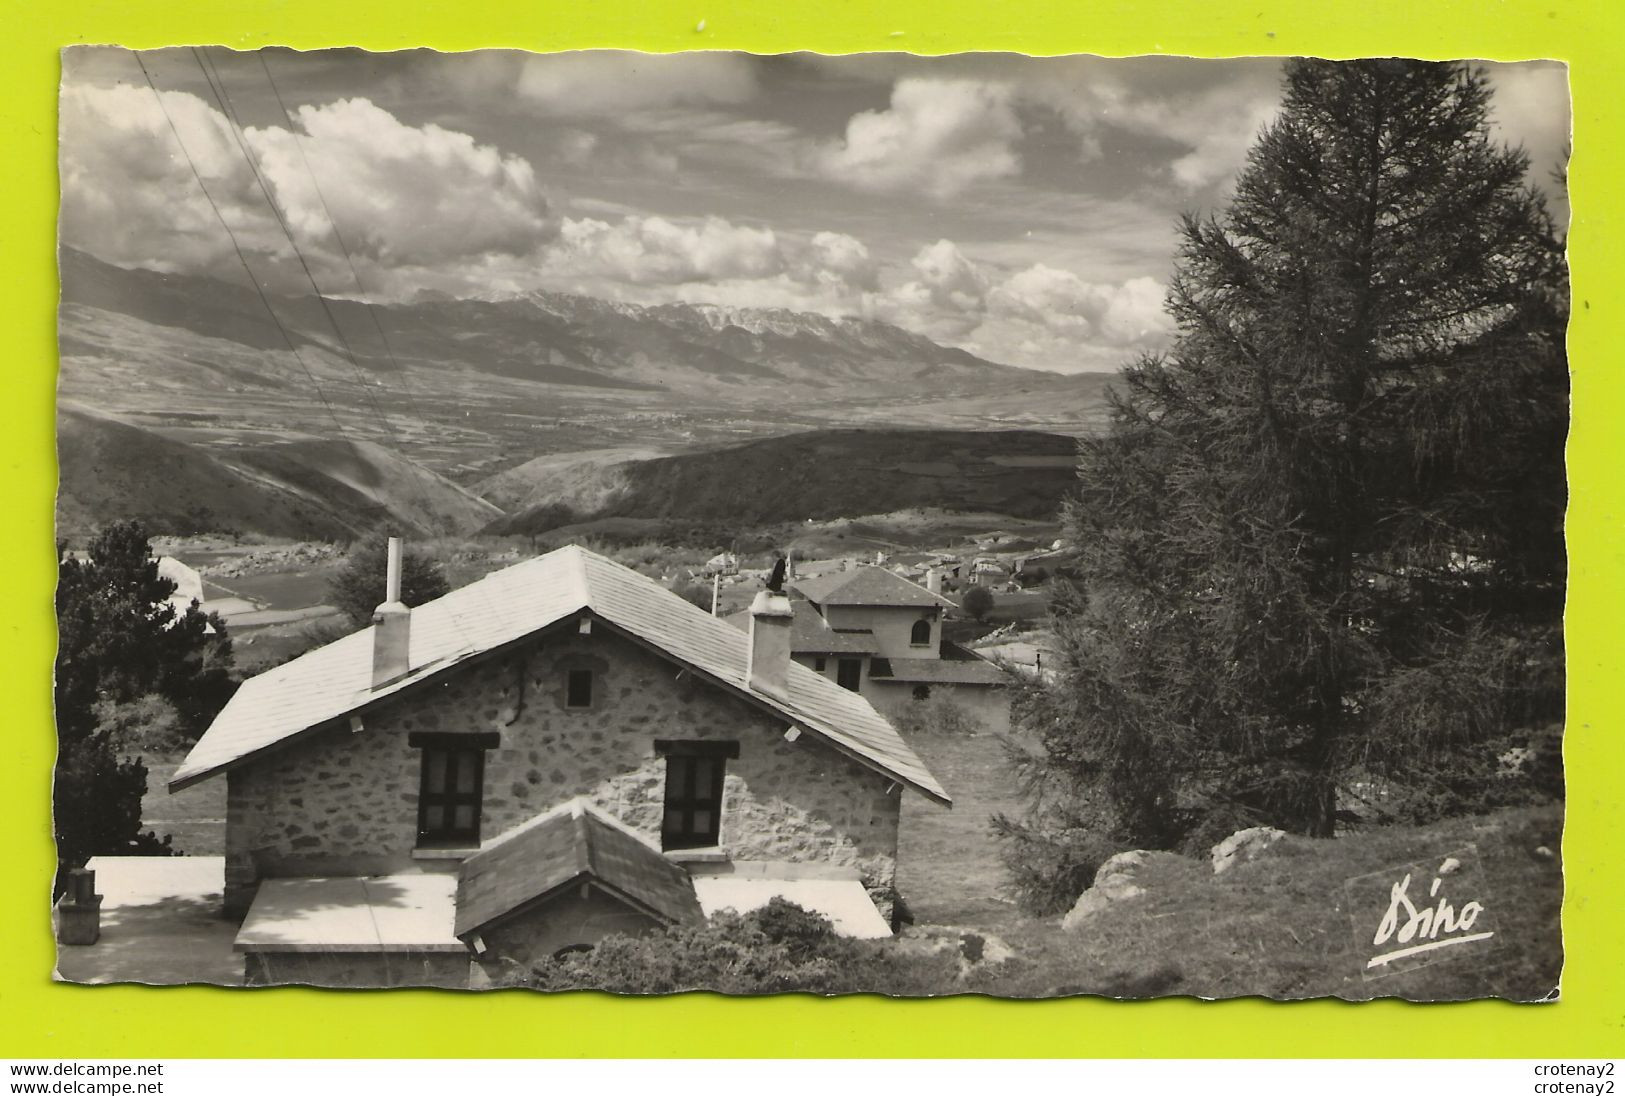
{"x": 1322, "y": 538}
{"x": 358, "y": 588}
{"x": 126, "y": 658}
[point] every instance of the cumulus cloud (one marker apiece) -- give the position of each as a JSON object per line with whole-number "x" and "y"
{"x": 429, "y": 207}
{"x": 838, "y": 261}
{"x": 949, "y": 279}
{"x": 610, "y": 82}
{"x": 128, "y": 193}
{"x": 648, "y": 258}
{"x": 1038, "y": 316}
{"x": 405, "y": 197}
{"x": 657, "y": 251}
{"x": 1214, "y": 124}
{"x": 402, "y": 195}
{"x": 1204, "y": 114}
{"x": 937, "y": 138}
{"x": 1125, "y": 314}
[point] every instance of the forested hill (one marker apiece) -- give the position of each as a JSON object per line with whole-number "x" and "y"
{"x": 828, "y": 474}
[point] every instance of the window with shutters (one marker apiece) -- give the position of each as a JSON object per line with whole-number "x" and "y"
{"x": 451, "y": 789}
{"x": 693, "y": 799}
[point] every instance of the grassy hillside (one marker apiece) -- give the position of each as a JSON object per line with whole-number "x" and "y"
{"x": 1279, "y": 926}
{"x": 112, "y": 471}
{"x": 310, "y": 489}
{"x": 372, "y": 484}
{"x": 835, "y": 473}
{"x": 586, "y": 481}
{"x": 1282, "y": 925}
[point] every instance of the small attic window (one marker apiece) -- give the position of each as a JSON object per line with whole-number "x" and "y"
{"x": 578, "y": 689}
{"x": 920, "y": 634}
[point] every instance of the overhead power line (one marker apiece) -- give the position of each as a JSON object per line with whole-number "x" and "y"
{"x": 400, "y": 372}
{"x": 233, "y": 123}
{"x": 299, "y": 143}
{"x": 416, "y": 473}
{"x": 238, "y": 248}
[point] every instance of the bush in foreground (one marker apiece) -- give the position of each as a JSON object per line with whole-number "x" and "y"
{"x": 780, "y": 948}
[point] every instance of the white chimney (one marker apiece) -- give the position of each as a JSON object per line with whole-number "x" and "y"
{"x": 391, "y": 626}
{"x": 767, "y": 666}
{"x": 933, "y": 580}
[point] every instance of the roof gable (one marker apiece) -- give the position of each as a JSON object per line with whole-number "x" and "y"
{"x": 867, "y": 585}
{"x": 506, "y": 606}
{"x": 573, "y": 841}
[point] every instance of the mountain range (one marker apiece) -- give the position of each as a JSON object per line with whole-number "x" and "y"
{"x": 545, "y": 337}
{"x": 182, "y": 403}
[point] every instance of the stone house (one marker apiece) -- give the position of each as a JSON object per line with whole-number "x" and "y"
{"x": 558, "y": 751}
{"x": 876, "y": 633}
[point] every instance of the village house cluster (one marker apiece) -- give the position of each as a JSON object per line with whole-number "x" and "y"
{"x": 880, "y": 635}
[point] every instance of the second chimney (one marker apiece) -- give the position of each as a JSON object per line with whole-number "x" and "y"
{"x": 391, "y": 626}
{"x": 767, "y": 668}
{"x": 933, "y": 580}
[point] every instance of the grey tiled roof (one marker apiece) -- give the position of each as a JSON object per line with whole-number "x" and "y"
{"x": 867, "y": 585}
{"x": 811, "y": 634}
{"x": 334, "y": 681}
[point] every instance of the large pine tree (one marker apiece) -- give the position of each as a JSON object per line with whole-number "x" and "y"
{"x": 1323, "y": 535}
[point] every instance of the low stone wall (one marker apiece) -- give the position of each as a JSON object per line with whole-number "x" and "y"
{"x": 356, "y": 970}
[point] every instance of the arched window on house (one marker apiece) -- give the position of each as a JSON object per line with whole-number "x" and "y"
{"x": 920, "y": 635}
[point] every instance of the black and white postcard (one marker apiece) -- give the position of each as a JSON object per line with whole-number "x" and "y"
{"x": 871, "y": 524}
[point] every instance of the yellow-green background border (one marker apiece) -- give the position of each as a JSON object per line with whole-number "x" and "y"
{"x": 41, "y": 1019}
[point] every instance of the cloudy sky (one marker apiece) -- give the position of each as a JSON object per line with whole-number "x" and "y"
{"x": 1021, "y": 208}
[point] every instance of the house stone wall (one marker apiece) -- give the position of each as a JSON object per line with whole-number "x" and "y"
{"x": 566, "y": 920}
{"x": 831, "y": 668}
{"x": 343, "y": 803}
{"x": 892, "y": 626}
